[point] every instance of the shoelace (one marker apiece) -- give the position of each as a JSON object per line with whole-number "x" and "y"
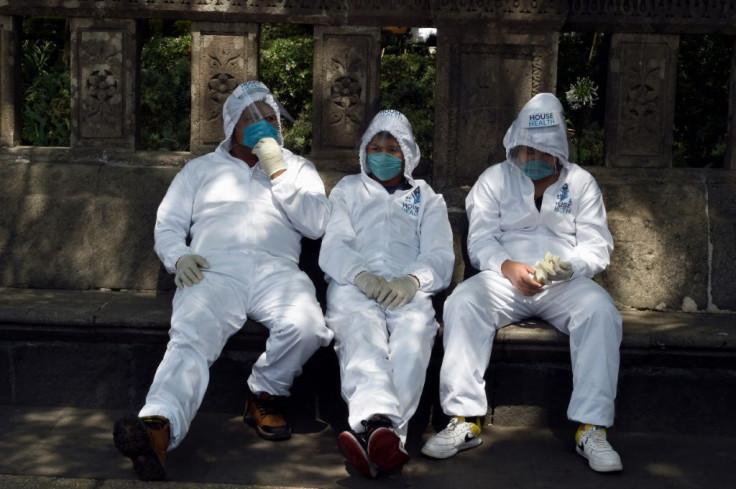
{"x": 266, "y": 406}
{"x": 453, "y": 424}
{"x": 598, "y": 438}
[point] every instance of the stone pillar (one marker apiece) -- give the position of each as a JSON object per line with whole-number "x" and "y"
{"x": 223, "y": 56}
{"x": 730, "y": 156}
{"x": 104, "y": 83}
{"x": 640, "y": 101}
{"x": 484, "y": 77}
{"x": 346, "y": 75}
{"x": 10, "y": 97}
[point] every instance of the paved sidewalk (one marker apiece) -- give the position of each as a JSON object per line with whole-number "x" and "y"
{"x": 72, "y": 448}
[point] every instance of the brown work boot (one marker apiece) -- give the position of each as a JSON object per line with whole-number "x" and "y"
{"x": 263, "y": 412}
{"x": 144, "y": 441}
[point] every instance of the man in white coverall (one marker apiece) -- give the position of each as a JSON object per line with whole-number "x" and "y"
{"x": 387, "y": 249}
{"x": 535, "y": 207}
{"x": 244, "y": 208}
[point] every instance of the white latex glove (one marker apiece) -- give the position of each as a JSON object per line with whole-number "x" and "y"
{"x": 371, "y": 285}
{"x": 402, "y": 291}
{"x": 188, "y": 270}
{"x": 552, "y": 269}
{"x": 269, "y": 155}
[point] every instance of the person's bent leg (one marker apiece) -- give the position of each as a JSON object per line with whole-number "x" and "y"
{"x": 585, "y": 311}
{"x": 204, "y": 317}
{"x": 473, "y": 313}
{"x": 197, "y": 336}
{"x": 412, "y": 331}
{"x": 361, "y": 345}
{"x": 286, "y": 305}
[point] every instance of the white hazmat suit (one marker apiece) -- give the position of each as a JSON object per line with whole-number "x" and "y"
{"x": 504, "y": 224}
{"x": 249, "y": 228}
{"x": 384, "y": 354}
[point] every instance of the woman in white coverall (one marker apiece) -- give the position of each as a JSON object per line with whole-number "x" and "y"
{"x": 535, "y": 207}
{"x": 387, "y": 249}
{"x": 230, "y": 229}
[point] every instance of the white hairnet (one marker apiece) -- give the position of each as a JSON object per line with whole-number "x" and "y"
{"x": 395, "y": 123}
{"x": 540, "y": 125}
{"x": 245, "y": 95}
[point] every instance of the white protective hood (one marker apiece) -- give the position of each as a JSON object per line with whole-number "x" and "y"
{"x": 540, "y": 125}
{"x": 399, "y": 127}
{"x": 243, "y": 96}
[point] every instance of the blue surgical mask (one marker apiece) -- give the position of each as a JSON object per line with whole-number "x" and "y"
{"x": 257, "y": 131}
{"x": 537, "y": 169}
{"x": 384, "y": 166}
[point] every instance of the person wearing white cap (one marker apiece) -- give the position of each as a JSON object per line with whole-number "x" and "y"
{"x": 386, "y": 251}
{"x": 229, "y": 228}
{"x": 538, "y": 234}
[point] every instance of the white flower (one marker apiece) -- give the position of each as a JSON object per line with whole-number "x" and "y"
{"x": 582, "y": 93}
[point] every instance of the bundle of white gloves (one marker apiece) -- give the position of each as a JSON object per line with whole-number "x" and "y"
{"x": 389, "y": 295}
{"x": 269, "y": 155}
{"x": 552, "y": 269}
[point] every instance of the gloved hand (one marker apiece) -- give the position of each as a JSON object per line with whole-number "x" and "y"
{"x": 188, "y": 270}
{"x": 269, "y": 155}
{"x": 552, "y": 269}
{"x": 403, "y": 290}
{"x": 371, "y": 285}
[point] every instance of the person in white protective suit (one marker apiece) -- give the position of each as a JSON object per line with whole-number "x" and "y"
{"x": 230, "y": 229}
{"x": 534, "y": 208}
{"x": 386, "y": 251}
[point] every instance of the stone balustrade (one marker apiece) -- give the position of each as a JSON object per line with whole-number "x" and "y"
{"x": 82, "y": 217}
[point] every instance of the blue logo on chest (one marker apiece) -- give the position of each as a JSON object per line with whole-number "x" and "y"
{"x": 563, "y": 203}
{"x": 411, "y": 202}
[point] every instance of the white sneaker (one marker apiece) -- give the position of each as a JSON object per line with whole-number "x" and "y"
{"x": 459, "y": 435}
{"x": 591, "y": 443}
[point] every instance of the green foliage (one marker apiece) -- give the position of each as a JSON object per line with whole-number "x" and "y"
{"x": 166, "y": 91}
{"x": 286, "y": 68}
{"x": 407, "y": 85}
{"x": 45, "y": 80}
{"x": 701, "y": 110}
{"x": 588, "y": 145}
{"x": 581, "y": 81}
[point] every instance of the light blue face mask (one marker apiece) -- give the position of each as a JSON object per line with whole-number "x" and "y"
{"x": 537, "y": 169}
{"x": 257, "y": 131}
{"x": 384, "y": 166}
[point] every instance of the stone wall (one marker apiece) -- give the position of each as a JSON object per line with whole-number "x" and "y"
{"x": 89, "y": 225}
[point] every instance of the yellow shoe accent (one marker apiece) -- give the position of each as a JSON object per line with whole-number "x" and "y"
{"x": 585, "y": 427}
{"x": 475, "y": 423}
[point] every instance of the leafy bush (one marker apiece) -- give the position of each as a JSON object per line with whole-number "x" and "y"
{"x": 286, "y": 68}
{"x": 45, "y": 80}
{"x": 407, "y": 85}
{"x": 166, "y": 89}
{"x": 701, "y": 108}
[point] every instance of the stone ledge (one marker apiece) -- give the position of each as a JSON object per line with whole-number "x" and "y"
{"x": 650, "y": 337}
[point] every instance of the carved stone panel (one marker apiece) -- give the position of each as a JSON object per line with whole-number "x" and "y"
{"x": 481, "y": 86}
{"x": 640, "y": 105}
{"x": 104, "y": 74}
{"x": 346, "y": 67}
{"x": 223, "y": 56}
{"x": 10, "y": 131}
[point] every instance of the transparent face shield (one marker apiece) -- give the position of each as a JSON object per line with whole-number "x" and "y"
{"x": 535, "y": 139}
{"x": 533, "y": 162}
{"x": 260, "y": 117}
